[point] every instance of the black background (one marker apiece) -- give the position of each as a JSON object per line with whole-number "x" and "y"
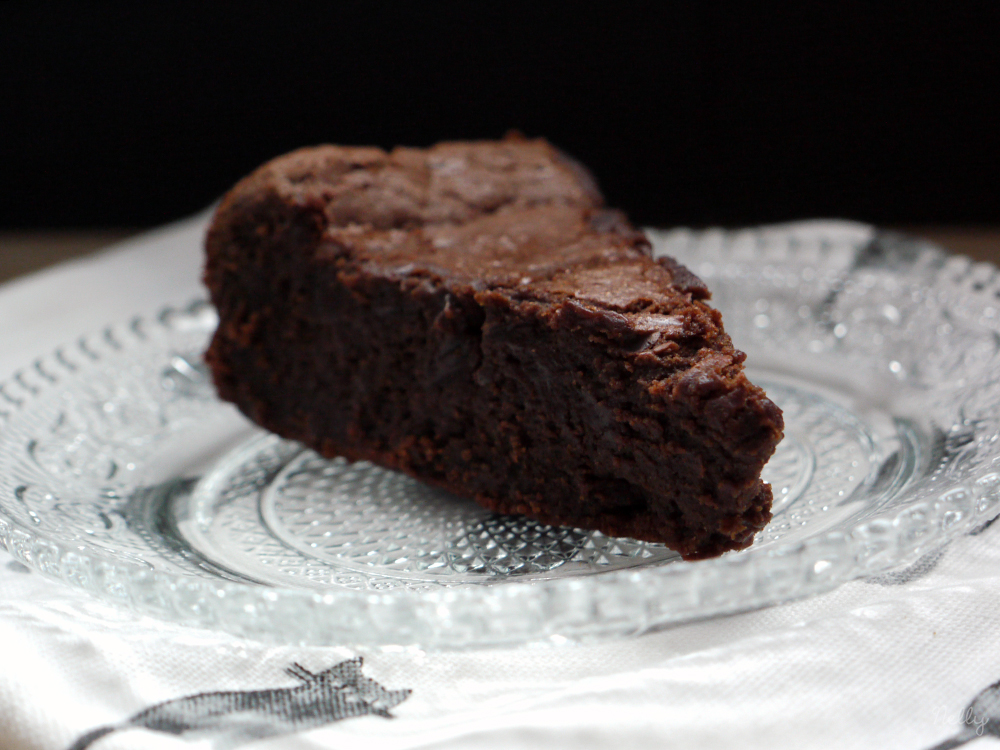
{"x": 129, "y": 114}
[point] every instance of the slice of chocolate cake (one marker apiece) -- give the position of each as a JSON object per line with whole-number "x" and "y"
{"x": 469, "y": 314}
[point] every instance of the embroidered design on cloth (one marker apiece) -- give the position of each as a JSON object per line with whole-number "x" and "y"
{"x": 917, "y": 570}
{"x": 233, "y": 718}
{"x": 924, "y": 565}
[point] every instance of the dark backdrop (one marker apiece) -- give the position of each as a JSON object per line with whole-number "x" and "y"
{"x": 694, "y": 113}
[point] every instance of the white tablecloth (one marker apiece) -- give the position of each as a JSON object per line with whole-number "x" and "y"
{"x": 894, "y": 662}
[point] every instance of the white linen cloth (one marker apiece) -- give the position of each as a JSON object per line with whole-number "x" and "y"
{"x": 894, "y": 662}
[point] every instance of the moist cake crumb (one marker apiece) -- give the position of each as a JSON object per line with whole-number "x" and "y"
{"x": 471, "y": 314}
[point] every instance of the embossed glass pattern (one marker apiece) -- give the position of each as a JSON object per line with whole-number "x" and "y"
{"x": 122, "y": 473}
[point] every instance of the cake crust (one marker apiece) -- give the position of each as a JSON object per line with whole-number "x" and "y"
{"x": 472, "y": 315}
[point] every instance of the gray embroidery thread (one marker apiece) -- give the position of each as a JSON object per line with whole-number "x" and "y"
{"x": 232, "y": 718}
{"x": 913, "y": 572}
{"x": 983, "y": 527}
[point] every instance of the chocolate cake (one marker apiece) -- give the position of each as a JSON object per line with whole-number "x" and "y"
{"x": 472, "y": 315}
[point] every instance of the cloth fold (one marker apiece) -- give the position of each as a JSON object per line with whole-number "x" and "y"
{"x": 903, "y": 660}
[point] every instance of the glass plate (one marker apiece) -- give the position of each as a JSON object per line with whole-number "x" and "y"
{"x": 122, "y": 474}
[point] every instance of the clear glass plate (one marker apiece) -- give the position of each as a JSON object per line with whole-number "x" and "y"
{"x": 122, "y": 474}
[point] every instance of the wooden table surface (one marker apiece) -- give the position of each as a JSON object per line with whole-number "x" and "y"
{"x": 22, "y": 252}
